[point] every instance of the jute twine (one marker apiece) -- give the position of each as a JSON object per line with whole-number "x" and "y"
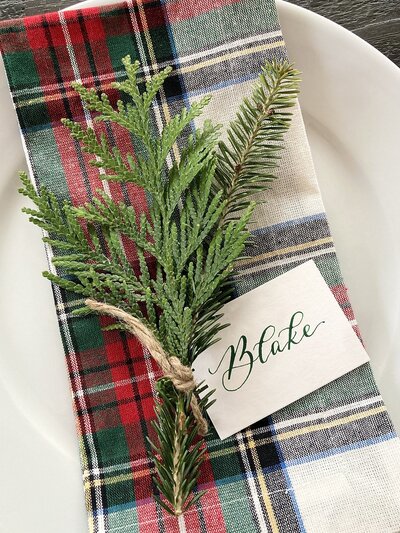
{"x": 181, "y": 376}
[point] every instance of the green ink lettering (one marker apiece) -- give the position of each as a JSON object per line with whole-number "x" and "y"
{"x": 306, "y": 329}
{"x": 227, "y": 375}
{"x": 262, "y": 341}
{"x": 242, "y": 360}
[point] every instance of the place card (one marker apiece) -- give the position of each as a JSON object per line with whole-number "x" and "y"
{"x": 286, "y": 339}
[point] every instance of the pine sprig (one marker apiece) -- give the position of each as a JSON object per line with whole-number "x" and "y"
{"x": 195, "y": 229}
{"x": 176, "y": 429}
{"x": 254, "y": 138}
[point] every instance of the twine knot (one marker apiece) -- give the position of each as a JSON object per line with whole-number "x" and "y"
{"x": 181, "y": 376}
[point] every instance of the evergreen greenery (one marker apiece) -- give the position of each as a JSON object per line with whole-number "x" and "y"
{"x": 195, "y": 229}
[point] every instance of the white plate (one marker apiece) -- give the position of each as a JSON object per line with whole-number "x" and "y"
{"x": 352, "y": 112}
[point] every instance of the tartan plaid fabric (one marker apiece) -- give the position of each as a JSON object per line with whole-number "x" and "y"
{"x": 327, "y": 463}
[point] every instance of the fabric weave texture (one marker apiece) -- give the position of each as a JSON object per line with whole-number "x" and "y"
{"x": 329, "y": 462}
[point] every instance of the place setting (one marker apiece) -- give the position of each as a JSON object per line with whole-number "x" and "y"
{"x": 206, "y": 339}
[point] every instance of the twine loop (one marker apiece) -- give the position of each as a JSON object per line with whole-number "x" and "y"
{"x": 181, "y": 376}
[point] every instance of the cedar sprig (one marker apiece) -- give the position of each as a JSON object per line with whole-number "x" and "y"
{"x": 194, "y": 231}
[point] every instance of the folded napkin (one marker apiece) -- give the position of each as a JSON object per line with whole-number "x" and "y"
{"x": 327, "y": 463}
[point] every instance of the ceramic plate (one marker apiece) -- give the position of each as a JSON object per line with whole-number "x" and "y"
{"x": 352, "y": 113}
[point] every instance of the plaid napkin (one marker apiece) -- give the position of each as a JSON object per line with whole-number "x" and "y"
{"x": 327, "y": 463}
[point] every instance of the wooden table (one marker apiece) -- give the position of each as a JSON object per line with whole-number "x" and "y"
{"x": 376, "y": 21}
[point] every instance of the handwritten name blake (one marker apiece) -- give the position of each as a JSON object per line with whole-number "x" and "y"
{"x": 272, "y": 342}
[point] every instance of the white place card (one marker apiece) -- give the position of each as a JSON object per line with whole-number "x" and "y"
{"x": 286, "y": 339}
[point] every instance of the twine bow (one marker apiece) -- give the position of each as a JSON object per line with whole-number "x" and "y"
{"x": 181, "y": 376}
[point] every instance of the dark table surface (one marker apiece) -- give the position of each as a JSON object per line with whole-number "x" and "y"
{"x": 376, "y": 21}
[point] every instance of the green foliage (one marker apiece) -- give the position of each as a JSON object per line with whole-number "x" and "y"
{"x": 254, "y": 138}
{"x": 193, "y": 243}
{"x": 176, "y": 429}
